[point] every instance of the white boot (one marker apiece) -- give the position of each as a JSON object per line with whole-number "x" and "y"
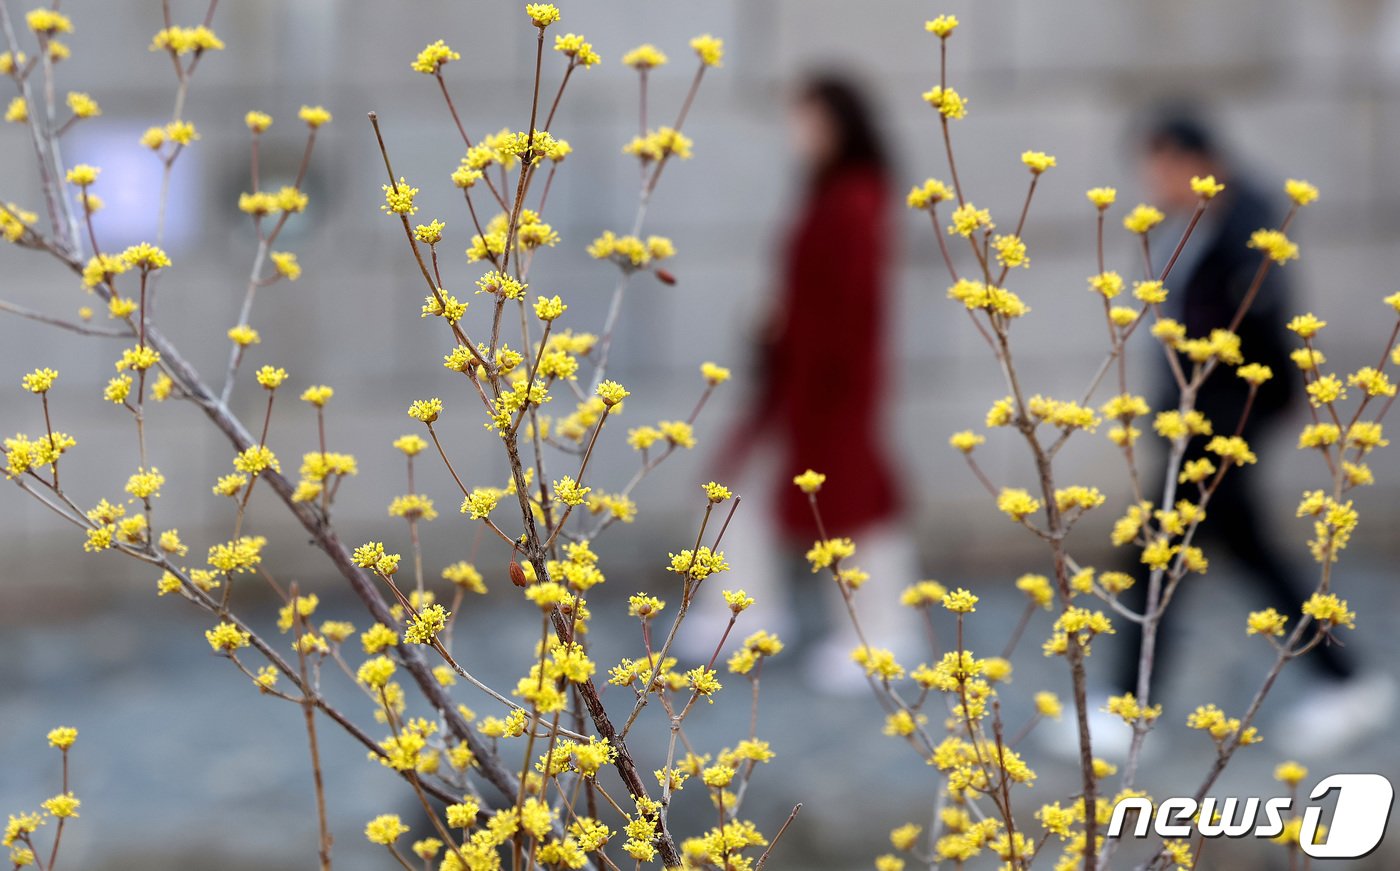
{"x": 1333, "y": 717}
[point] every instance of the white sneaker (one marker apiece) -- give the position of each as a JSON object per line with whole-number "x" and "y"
{"x": 1109, "y": 736}
{"x": 828, "y": 669}
{"x": 1333, "y": 717}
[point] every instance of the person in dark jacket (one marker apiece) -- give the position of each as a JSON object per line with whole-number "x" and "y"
{"x": 1208, "y": 285}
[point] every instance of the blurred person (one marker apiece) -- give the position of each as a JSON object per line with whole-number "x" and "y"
{"x": 1208, "y": 283}
{"x": 823, "y": 374}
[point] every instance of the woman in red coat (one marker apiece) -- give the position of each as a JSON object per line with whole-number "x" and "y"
{"x": 825, "y": 375}
{"x": 823, "y": 382}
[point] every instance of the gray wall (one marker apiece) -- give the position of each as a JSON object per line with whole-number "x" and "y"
{"x": 1304, "y": 89}
{"x": 1300, "y": 90}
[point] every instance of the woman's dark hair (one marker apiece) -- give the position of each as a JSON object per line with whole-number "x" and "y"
{"x": 1173, "y": 128}
{"x": 858, "y": 142}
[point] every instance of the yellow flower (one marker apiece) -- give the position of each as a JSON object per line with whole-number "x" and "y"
{"x": 290, "y": 199}
{"x": 146, "y": 484}
{"x": 1002, "y": 412}
{"x": 644, "y": 57}
{"x": 181, "y": 132}
{"x": 575, "y": 47}
{"x": 448, "y": 307}
{"x": 62, "y": 806}
{"x": 430, "y": 233}
{"x": 227, "y": 637}
{"x": 1307, "y": 359}
{"x": 947, "y": 101}
{"x": 314, "y": 116}
{"x": 18, "y": 111}
{"x": 317, "y": 395}
{"x": 1038, "y": 588}
{"x": 186, "y": 40}
{"x": 1327, "y": 608}
{"x": 1109, "y": 284}
{"x": 1151, "y": 292}
{"x": 709, "y": 49}
{"x": 1143, "y": 218}
{"x": 398, "y": 198}
{"x": 1372, "y": 382}
{"x": 480, "y": 503}
{"x": 1290, "y": 773}
{"x": 738, "y": 601}
{"x": 426, "y": 410}
{"x": 1102, "y": 197}
{"x": 1274, "y": 244}
{"x": 145, "y": 256}
{"x": 549, "y": 309}
{"x": 82, "y": 105}
{"x": 714, "y": 373}
{"x": 1232, "y": 448}
{"x": 286, "y": 264}
{"x": 153, "y": 138}
{"x": 1300, "y": 192}
{"x": 1306, "y": 325}
{"x": 1079, "y": 497}
{"x": 244, "y": 335}
{"x": 716, "y": 492}
{"x": 930, "y": 193}
{"x": 83, "y": 174}
{"x": 542, "y": 14}
{"x": 48, "y": 22}
{"x": 703, "y": 682}
{"x": 942, "y": 26}
{"x": 256, "y": 459}
{"x": 612, "y": 393}
{"x": 504, "y": 285}
{"x": 1268, "y": 622}
{"x": 704, "y": 562}
{"x": 1319, "y": 435}
{"x": 567, "y": 491}
{"x": 385, "y": 829}
{"x": 1325, "y": 390}
{"x": 1130, "y": 710}
{"x": 424, "y": 628}
{"x": 960, "y": 601}
{"x": 967, "y": 218}
{"x": 1011, "y": 251}
{"x": 39, "y": 381}
{"x": 1037, "y": 161}
{"x": 644, "y": 606}
{"x": 809, "y": 482}
{"x": 966, "y": 441}
{"x": 431, "y": 59}
{"x": 1206, "y": 188}
{"x": 257, "y": 122}
{"x": 1255, "y": 373}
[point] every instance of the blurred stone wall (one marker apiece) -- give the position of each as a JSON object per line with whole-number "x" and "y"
{"x": 1301, "y": 89}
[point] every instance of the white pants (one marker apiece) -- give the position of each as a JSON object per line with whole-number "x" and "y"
{"x": 762, "y": 567}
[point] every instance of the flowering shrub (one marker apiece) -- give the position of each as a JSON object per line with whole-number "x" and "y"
{"x": 981, "y": 768}
{"x": 580, "y": 798}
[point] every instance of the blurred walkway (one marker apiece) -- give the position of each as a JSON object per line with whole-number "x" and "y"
{"x": 180, "y": 763}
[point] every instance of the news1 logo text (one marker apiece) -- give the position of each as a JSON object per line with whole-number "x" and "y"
{"x": 1363, "y": 803}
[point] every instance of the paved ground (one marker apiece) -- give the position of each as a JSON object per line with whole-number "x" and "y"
{"x": 181, "y": 765}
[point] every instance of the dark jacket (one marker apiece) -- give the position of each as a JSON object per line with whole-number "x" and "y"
{"x": 1210, "y": 296}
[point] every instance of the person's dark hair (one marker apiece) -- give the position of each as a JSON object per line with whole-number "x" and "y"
{"x": 1179, "y": 130}
{"x": 858, "y": 140}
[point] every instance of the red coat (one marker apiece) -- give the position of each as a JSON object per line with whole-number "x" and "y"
{"x": 825, "y": 372}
